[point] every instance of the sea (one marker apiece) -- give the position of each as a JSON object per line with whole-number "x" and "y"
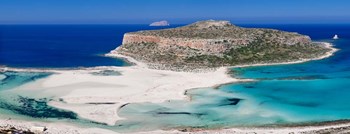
{"x": 310, "y": 92}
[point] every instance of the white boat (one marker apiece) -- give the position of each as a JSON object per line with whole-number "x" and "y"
{"x": 335, "y": 37}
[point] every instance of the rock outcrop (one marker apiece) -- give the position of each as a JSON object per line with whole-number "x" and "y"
{"x": 217, "y": 43}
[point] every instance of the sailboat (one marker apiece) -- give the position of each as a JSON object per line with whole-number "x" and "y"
{"x": 335, "y": 37}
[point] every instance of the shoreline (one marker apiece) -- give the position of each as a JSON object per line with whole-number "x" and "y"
{"x": 154, "y": 90}
{"x": 326, "y": 55}
{"x": 134, "y": 63}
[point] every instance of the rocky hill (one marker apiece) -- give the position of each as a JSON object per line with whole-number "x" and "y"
{"x": 217, "y": 43}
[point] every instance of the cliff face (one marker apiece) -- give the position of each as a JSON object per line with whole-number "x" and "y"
{"x": 207, "y": 45}
{"x": 216, "y": 43}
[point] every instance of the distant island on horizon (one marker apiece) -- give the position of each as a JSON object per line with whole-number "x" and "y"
{"x": 160, "y": 23}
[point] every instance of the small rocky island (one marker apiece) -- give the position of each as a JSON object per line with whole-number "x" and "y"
{"x": 217, "y": 43}
{"x": 160, "y": 23}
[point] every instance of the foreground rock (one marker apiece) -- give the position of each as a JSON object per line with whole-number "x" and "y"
{"x": 12, "y": 130}
{"x": 217, "y": 43}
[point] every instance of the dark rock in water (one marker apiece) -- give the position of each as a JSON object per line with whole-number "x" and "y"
{"x": 36, "y": 108}
{"x": 230, "y": 101}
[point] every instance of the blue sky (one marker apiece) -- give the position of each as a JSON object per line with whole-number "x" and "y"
{"x": 175, "y": 11}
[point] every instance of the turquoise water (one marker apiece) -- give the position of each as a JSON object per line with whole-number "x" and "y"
{"x": 13, "y": 79}
{"x": 286, "y": 94}
{"x": 14, "y": 103}
{"x": 209, "y": 108}
{"x": 282, "y": 94}
{"x": 23, "y": 106}
{"x": 315, "y": 91}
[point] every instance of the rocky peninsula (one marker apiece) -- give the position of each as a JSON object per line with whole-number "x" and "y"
{"x": 215, "y": 44}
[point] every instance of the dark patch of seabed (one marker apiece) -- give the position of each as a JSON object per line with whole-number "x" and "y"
{"x": 36, "y": 108}
{"x": 204, "y": 112}
{"x": 13, "y": 79}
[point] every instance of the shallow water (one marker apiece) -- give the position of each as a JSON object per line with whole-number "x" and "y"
{"x": 209, "y": 108}
{"x": 17, "y": 104}
{"x": 2, "y": 76}
{"x": 32, "y": 105}
{"x": 13, "y": 79}
{"x": 283, "y": 94}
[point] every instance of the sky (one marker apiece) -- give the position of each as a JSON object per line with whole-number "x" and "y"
{"x": 175, "y": 11}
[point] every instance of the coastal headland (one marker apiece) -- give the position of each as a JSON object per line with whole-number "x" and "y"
{"x": 167, "y": 63}
{"x": 211, "y": 44}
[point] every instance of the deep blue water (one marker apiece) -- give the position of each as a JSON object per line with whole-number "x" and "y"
{"x": 55, "y": 46}
{"x": 297, "y": 93}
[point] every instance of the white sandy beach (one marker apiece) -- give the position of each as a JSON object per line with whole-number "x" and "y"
{"x": 135, "y": 84}
{"x": 78, "y": 88}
